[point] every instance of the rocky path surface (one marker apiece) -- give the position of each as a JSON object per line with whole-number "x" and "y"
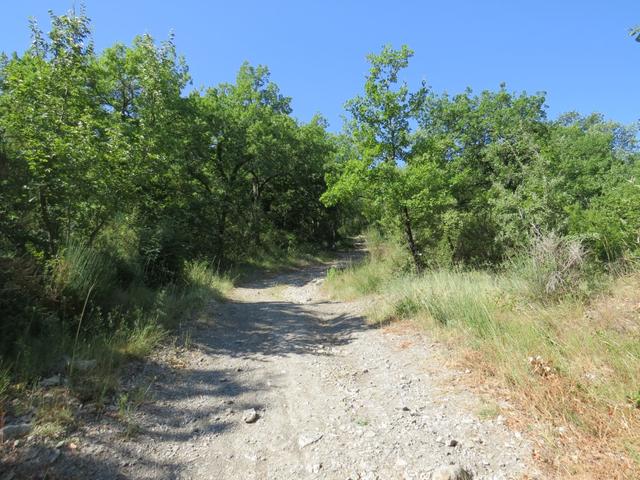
{"x": 282, "y": 383}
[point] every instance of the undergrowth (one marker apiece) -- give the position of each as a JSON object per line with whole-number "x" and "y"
{"x": 85, "y": 324}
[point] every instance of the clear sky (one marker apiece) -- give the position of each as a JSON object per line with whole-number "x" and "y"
{"x": 578, "y": 51}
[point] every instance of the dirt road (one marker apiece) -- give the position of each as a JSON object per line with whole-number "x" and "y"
{"x": 335, "y": 399}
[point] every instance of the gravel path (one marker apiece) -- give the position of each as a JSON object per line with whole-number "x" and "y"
{"x": 334, "y": 398}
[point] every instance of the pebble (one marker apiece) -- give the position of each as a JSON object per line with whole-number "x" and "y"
{"x": 307, "y": 439}
{"x": 451, "y": 472}
{"x": 250, "y": 415}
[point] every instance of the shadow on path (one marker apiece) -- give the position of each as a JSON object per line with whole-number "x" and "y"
{"x": 194, "y": 401}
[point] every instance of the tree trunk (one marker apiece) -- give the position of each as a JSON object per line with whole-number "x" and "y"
{"x": 411, "y": 243}
{"x": 49, "y": 226}
{"x": 255, "y": 212}
{"x": 222, "y": 225}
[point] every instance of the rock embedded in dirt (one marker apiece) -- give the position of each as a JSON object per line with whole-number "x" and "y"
{"x": 12, "y": 432}
{"x": 84, "y": 365}
{"x": 451, "y": 472}
{"x": 307, "y": 439}
{"x": 52, "y": 381}
{"x": 250, "y": 415}
{"x": 453, "y": 442}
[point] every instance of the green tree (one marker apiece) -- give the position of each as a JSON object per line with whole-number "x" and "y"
{"x": 485, "y": 144}
{"x": 52, "y": 122}
{"x": 380, "y": 128}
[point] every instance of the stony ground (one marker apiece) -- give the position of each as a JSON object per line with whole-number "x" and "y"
{"x": 281, "y": 383}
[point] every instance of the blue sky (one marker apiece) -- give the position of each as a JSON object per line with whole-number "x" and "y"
{"x": 579, "y": 52}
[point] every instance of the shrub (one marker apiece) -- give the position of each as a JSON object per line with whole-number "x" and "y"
{"x": 553, "y": 267}
{"x": 22, "y": 303}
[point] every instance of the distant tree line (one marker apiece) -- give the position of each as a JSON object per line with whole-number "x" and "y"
{"x": 91, "y": 139}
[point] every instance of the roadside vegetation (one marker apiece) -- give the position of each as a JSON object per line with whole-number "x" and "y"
{"x": 128, "y": 205}
{"x": 512, "y": 237}
{"x": 569, "y": 358}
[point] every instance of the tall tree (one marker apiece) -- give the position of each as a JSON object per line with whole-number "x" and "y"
{"x": 53, "y": 123}
{"x": 381, "y": 128}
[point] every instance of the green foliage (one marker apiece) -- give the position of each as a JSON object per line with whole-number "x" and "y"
{"x": 115, "y": 186}
{"x": 483, "y": 174}
{"x": 386, "y": 259}
{"x": 380, "y": 131}
{"x": 76, "y": 270}
{"x": 611, "y": 224}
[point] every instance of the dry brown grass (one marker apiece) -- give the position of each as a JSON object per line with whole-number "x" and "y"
{"x": 579, "y": 413}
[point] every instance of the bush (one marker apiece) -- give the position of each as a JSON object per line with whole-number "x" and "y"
{"x": 553, "y": 267}
{"x": 22, "y": 303}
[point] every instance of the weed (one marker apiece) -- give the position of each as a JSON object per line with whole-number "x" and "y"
{"x": 488, "y": 411}
{"x": 54, "y": 416}
{"x": 128, "y": 404}
{"x": 362, "y": 422}
{"x": 187, "y": 341}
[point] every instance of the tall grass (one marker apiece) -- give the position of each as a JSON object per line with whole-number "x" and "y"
{"x": 5, "y": 382}
{"x": 83, "y": 313}
{"x": 180, "y": 301}
{"x": 206, "y": 280}
{"x": 77, "y": 269}
{"x": 568, "y": 348}
{"x": 386, "y": 260}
